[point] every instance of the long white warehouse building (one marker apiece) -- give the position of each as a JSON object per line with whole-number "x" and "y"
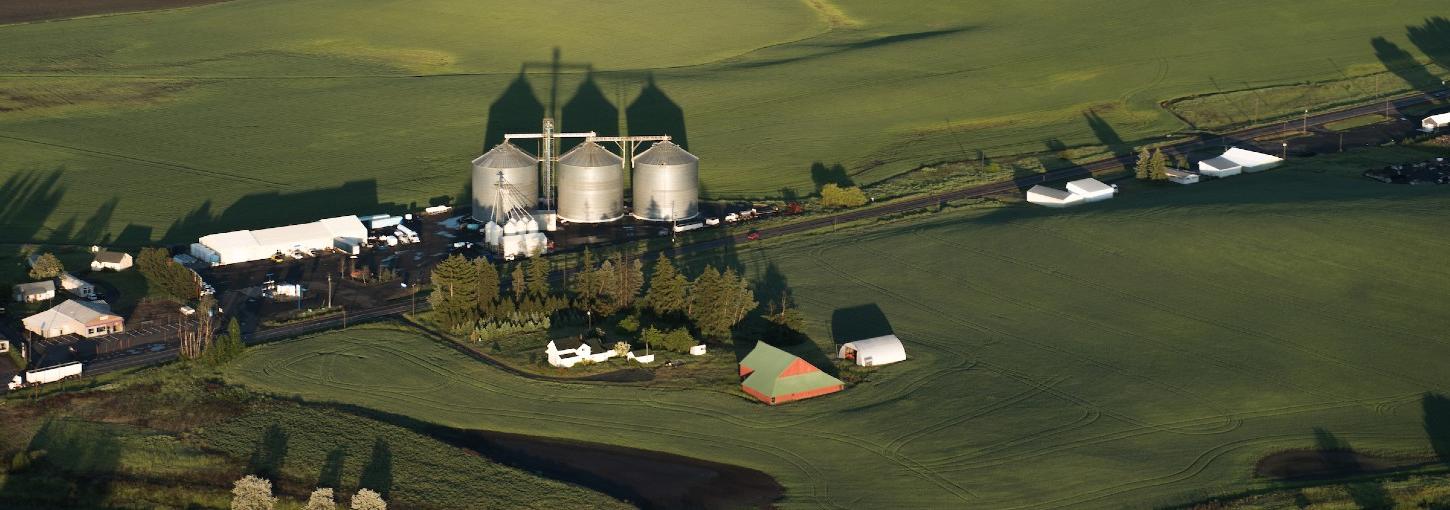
{"x": 249, "y": 245}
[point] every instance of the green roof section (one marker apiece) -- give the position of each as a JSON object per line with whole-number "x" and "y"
{"x": 767, "y": 362}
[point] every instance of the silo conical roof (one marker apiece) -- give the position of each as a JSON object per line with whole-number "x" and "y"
{"x": 589, "y": 154}
{"x": 505, "y": 155}
{"x": 665, "y": 153}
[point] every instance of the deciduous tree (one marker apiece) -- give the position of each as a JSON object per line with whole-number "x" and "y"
{"x": 366, "y": 499}
{"x": 252, "y": 493}
{"x": 836, "y": 196}
{"x": 46, "y": 266}
{"x": 1158, "y": 166}
{"x": 321, "y": 499}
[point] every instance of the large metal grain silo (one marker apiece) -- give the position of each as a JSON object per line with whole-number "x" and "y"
{"x": 591, "y": 185}
{"x": 666, "y": 183}
{"x": 518, "y": 167}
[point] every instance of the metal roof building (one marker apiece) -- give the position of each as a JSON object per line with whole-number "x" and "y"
{"x": 249, "y": 245}
{"x": 35, "y": 291}
{"x": 1236, "y": 160}
{"x": 881, "y": 350}
{"x": 93, "y": 318}
{"x": 1091, "y": 190}
{"x": 1433, "y": 122}
{"x": 1051, "y": 197}
{"x": 776, "y": 377}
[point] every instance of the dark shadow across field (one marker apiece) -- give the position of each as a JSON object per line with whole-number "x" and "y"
{"x": 633, "y": 475}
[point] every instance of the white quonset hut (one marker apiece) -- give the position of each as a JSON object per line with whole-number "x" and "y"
{"x": 1091, "y": 190}
{"x": 1051, "y": 197}
{"x": 1433, "y": 122}
{"x": 1236, "y": 160}
{"x": 1181, "y": 176}
{"x": 249, "y": 245}
{"x": 881, "y": 350}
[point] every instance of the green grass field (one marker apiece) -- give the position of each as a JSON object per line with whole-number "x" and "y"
{"x": 1138, "y": 352}
{"x": 248, "y": 113}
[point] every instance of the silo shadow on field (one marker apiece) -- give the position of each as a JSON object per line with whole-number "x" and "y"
{"x": 517, "y": 109}
{"x": 654, "y": 113}
{"x": 588, "y": 110}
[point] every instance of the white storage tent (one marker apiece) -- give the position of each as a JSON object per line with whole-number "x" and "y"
{"x": 1051, "y": 197}
{"x": 249, "y": 245}
{"x": 1433, "y": 122}
{"x": 1091, "y": 190}
{"x": 881, "y": 350}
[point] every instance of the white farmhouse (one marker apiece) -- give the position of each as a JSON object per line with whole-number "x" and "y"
{"x": 566, "y": 353}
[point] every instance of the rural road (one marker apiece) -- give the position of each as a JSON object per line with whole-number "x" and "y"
{"x": 909, "y": 204}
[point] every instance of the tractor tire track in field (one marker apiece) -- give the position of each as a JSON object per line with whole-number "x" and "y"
{"x": 1170, "y": 346}
{"x": 149, "y": 162}
{"x": 1046, "y": 347}
{"x": 1345, "y": 317}
{"x": 1212, "y": 322}
{"x": 1194, "y": 468}
{"x": 954, "y": 463}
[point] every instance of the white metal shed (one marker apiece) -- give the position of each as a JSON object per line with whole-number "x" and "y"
{"x": 1433, "y": 122}
{"x": 881, "y": 350}
{"x": 1051, "y": 197}
{"x": 1091, "y": 190}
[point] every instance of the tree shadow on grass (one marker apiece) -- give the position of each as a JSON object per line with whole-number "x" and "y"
{"x": 378, "y": 474}
{"x": 1436, "y": 408}
{"x": 331, "y": 475}
{"x": 266, "y": 461}
{"x": 1106, "y": 134}
{"x": 1433, "y": 39}
{"x": 85, "y": 460}
{"x": 822, "y": 175}
{"x": 1404, "y": 65}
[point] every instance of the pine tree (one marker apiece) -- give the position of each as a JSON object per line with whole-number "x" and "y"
{"x": 488, "y": 287}
{"x": 537, "y": 278}
{"x": 1142, "y": 170}
{"x": 704, "y": 299}
{"x": 455, "y": 296}
{"x": 518, "y": 282}
{"x": 1158, "y": 166}
{"x": 668, "y": 289}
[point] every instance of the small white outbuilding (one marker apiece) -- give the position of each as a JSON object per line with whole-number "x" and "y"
{"x": 1433, "y": 122}
{"x": 1051, "y": 197}
{"x": 881, "y": 350}
{"x": 1181, "y": 176}
{"x": 1091, "y": 190}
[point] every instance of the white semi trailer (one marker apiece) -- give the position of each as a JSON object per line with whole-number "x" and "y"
{"x": 46, "y": 375}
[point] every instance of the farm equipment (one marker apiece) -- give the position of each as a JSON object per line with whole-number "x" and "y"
{"x": 793, "y": 208}
{"x": 753, "y": 236}
{"x": 46, "y": 375}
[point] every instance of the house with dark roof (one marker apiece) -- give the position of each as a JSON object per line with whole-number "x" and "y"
{"x": 776, "y": 377}
{"x": 35, "y": 291}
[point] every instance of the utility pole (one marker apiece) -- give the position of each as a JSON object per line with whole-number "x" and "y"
{"x": 329, "y": 290}
{"x": 1341, "y": 141}
{"x": 1286, "y": 150}
{"x": 1305, "y": 128}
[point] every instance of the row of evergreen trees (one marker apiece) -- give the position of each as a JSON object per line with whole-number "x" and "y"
{"x": 467, "y": 291}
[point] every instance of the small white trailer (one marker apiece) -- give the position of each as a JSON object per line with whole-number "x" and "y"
{"x": 46, "y": 375}
{"x": 688, "y": 227}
